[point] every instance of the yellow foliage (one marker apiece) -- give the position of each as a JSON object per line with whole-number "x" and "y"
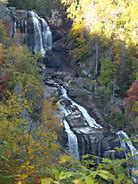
{"x": 135, "y": 172}
{"x": 78, "y": 181}
{"x": 46, "y": 181}
{"x": 64, "y": 159}
{"x": 24, "y": 154}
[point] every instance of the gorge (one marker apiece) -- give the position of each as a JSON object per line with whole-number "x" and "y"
{"x": 84, "y": 135}
{"x": 85, "y": 131}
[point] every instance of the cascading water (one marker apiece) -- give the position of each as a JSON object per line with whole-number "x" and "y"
{"x": 91, "y": 122}
{"x": 46, "y": 35}
{"x": 126, "y": 144}
{"x": 38, "y": 44}
{"x": 72, "y": 139}
{"x": 125, "y": 141}
{"x": 38, "y": 34}
{"x": 41, "y": 33}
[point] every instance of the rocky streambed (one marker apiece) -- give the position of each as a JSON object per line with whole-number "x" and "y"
{"x": 82, "y": 134}
{"x": 96, "y": 138}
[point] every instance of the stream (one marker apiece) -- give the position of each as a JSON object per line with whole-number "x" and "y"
{"x": 124, "y": 140}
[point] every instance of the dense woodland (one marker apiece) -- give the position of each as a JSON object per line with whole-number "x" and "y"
{"x": 109, "y": 29}
{"x": 105, "y": 31}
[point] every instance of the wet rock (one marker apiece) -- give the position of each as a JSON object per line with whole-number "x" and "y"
{"x": 50, "y": 83}
{"x": 75, "y": 119}
{"x": 84, "y": 83}
{"x": 66, "y": 103}
{"x": 80, "y": 94}
{"x": 50, "y": 92}
{"x": 52, "y": 60}
{"x": 21, "y": 14}
{"x": 59, "y": 45}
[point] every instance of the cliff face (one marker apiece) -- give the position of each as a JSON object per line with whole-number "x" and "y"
{"x": 10, "y": 16}
{"x": 26, "y": 27}
{"x": 7, "y": 20}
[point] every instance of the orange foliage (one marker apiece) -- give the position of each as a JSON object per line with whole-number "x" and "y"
{"x": 132, "y": 96}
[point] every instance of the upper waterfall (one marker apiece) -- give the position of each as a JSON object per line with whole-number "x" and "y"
{"x": 42, "y": 36}
{"x": 34, "y": 31}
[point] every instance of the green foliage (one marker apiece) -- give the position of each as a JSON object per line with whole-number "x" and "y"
{"x": 3, "y": 36}
{"x": 41, "y": 6}
{"x": 107, "y": 71}
{"x": 112, "y": 25}
{"x": 72, "y": 172}
{"x": 112, "y": 19}
{"x": 20, "y": 149}
{"x": 116, "y": 119}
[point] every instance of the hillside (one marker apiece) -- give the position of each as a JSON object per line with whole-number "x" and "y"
{"x": 68, "y": 92}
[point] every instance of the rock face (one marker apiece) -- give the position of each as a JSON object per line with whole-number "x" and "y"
{"x": 96, "y": 141}
{"x": 5, "y": 15}
{"x": 52, "y": 60}
{"x": 26, "y": 27}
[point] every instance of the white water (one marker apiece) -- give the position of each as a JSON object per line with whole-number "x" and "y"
{"x": 126, "y": 143}
{"x": 72, "y": 139}
{"x": 46, "y": 35}
{"x": 38, "y": 42}
{"x": 41, "y": 36}
{"x": 91, "y": 122}
{"x": 125, "y": 140}
{"x": 25, "y": 27}
{"x": 14, "y": 27}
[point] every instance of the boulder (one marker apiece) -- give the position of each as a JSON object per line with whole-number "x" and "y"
{"x": 75, "y": 119}
{"x": 50, "y": 92}
{"x": 52, "y": 60}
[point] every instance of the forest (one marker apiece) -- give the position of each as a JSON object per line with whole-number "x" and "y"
{"x": 96, "y": 42}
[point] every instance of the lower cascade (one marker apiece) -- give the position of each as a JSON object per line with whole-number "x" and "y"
{"x": 80, "y": 141}
{"x": 128, "y": 147}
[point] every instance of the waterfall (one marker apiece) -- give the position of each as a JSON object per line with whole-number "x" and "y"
{"x": 72, "y": 138}
{"x": 46, "y": 35}
{"x": 91, "y": 122}
{"x": 73, "y": 146}
{"x": 38, "y": 36}
{"x": 14, "y": 27}
{"x": 42, "y": 34}
{"x": 126, "y": 144}
{"x": 72, "y": 141}
{"x": 38, "y": 41}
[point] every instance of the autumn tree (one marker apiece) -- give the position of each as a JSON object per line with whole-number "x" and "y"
{"x": 132, "y": 104}
{"x": 112, "y": 26}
